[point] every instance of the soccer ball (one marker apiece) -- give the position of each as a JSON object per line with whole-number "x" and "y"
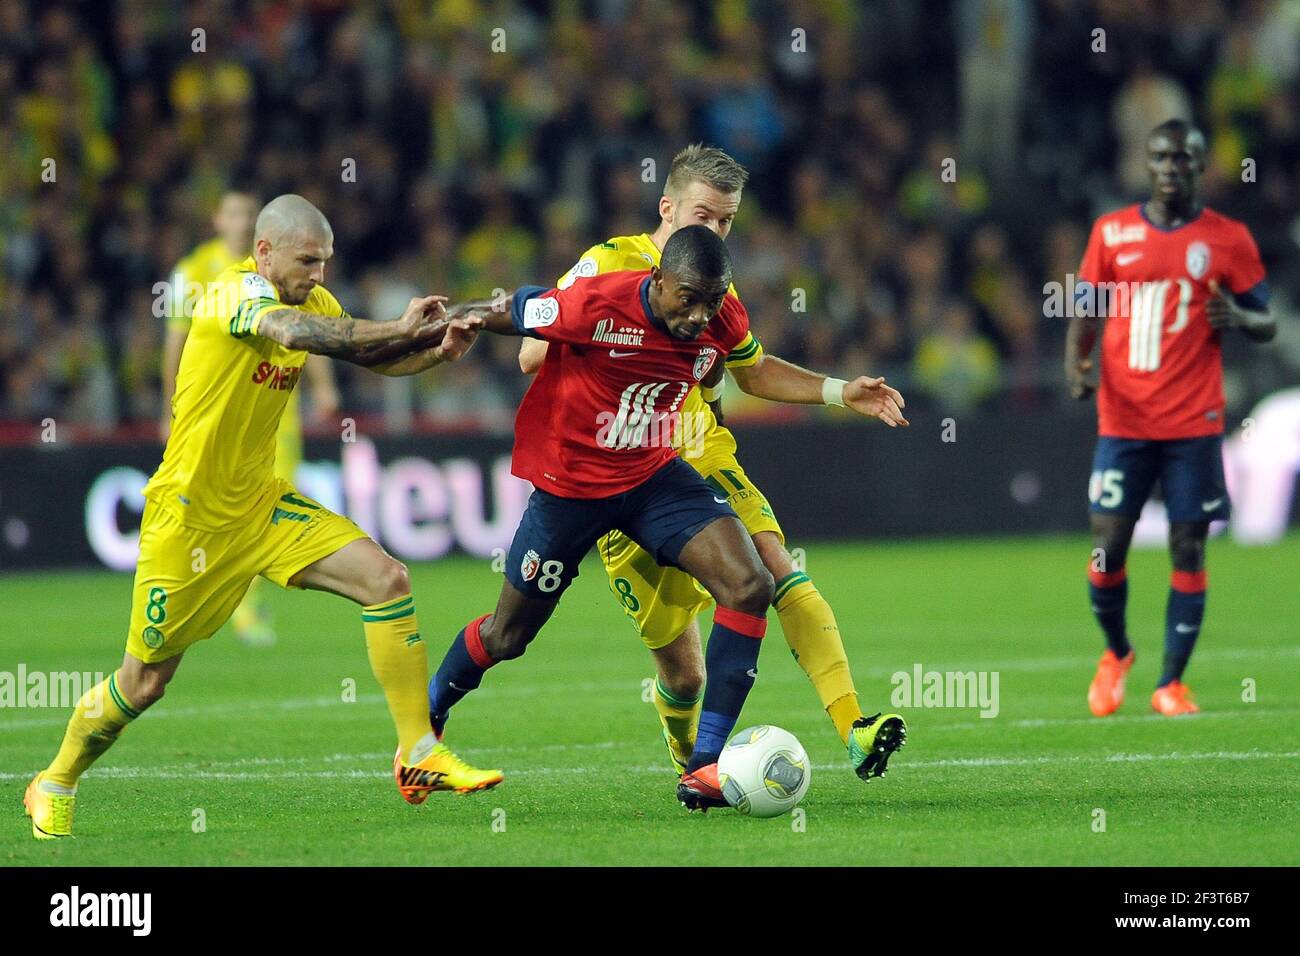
{"x": 764, "y": 771}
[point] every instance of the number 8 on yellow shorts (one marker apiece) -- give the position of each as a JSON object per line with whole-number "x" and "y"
{"x": 661, "y": 601}
{"x": 188, "y": 581}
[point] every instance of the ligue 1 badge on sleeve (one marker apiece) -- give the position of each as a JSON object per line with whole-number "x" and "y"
{"x": 1198, "y": 259}
{"x": 539, "y": 313}
{"x": 255, "y": 287}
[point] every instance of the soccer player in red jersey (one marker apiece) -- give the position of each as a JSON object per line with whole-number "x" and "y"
{"x": 1167, "y": 276}
{"x": 594, "y": 436}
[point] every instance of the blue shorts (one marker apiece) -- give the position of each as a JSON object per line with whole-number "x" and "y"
{"x": 661, "y": 514}
{"x": 1190, "y": 472}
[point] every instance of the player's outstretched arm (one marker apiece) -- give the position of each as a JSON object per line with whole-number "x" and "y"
{"x": 496, "y": 313}
{"x": 459, "y": 335}
{"x": 777, "y": 380}
{"x": 1224, "y": 312}
{"x": 343, "y": 337}
{"x": 448, "y": 340}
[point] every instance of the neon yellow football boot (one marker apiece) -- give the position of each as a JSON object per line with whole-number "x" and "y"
{"x": 873, "y": 740}
{"x": 440, "y": 770}
{"x": 51, "y": 813}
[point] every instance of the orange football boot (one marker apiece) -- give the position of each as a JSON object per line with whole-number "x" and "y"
{"x": 700, "y": 789}
{"x": 1106, "y": 692}
{"x": 1173, "y": 700}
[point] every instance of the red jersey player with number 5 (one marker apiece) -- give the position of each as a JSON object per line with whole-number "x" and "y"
{"x": 1167, "y": 277}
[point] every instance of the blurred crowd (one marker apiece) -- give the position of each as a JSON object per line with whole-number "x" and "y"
{"x": 919, "y": 170}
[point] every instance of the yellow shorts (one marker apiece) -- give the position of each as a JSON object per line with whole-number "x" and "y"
{"x": 188, "y": 582}
{"x": 661, "y": 601}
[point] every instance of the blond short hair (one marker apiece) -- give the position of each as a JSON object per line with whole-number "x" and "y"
{"x": 708, "y": 165}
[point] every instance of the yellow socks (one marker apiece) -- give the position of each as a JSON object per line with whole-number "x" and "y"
{"x": 681, "y": 719}
{"x": 98, "y": 718}
{"x": 399, "y": 662}
{"x": 814, "y": 637}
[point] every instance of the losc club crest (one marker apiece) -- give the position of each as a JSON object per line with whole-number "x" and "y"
{"x": 529, "y": 566}
{"x": 1198, "y": 259}
{"x": 704, "y": 362}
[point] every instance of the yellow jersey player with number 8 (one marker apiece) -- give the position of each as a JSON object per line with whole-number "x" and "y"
{"x": 217, "y": 516}
{"x": 703, "y": 188}
{"x": 233, "y": 222}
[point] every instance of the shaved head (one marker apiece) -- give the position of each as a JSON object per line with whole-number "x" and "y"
{"x": 288, "y": 218}
{"x": 292, "y": 240}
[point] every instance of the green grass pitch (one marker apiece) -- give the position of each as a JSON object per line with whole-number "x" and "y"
{"x": 286, "y": 772}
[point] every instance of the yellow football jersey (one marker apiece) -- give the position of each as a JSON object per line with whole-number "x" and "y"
{"x": 639, "y": 253}
{"x": 231, "y": 391}
{"x": 190, "y": 280}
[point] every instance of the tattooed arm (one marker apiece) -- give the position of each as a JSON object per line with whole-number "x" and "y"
{"x": 451, "y": 339}
{"x": 344, "y": 337}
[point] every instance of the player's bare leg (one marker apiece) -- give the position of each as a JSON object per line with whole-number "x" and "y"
{"x": 363, "y": 572}
{"x": 722, "y": 558}
{"x": 1108, "y": 593}
{"x": 680, "y": 678}
{"x": 1183, "y": 615}
{"x": 144, "y": 684}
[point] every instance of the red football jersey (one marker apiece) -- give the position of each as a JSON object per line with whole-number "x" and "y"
{"x": 1161, "y": 364}
{"x": 599, "y": 416}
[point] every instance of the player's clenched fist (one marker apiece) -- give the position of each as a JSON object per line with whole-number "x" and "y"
{"x": 873, "y": 398}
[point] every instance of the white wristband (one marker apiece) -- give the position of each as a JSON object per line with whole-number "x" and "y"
{"x": 833, "y": 391}
{"x": 714, "y": 393}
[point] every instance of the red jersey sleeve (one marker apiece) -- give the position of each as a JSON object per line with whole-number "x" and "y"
{"x": 1244, "y": 270}
{"x": 1094, "y": 267}
{"x": 555, "y": 315}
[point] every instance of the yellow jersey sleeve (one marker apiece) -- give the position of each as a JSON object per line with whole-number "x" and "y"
{"x": 747, "y": 353}
{"x": 602, "y": 258}
{"x": 255, "y": 298}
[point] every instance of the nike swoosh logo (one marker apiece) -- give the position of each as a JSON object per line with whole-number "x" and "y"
{"x": 1125, "y": 258}
{"x": 721, "y": 501}
{"x": 1186, "y": 628}
{"x": 1211, "y": 505}
{"x": 613, "y": 354}
{"x": 752, "y": 672}
{"x": 463, "y": 690}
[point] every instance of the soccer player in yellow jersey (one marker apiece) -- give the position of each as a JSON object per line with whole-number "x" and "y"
{"x": 704, "y": 186}
{"x": 233, "y": 222}
{"x": 217, "y": 515}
